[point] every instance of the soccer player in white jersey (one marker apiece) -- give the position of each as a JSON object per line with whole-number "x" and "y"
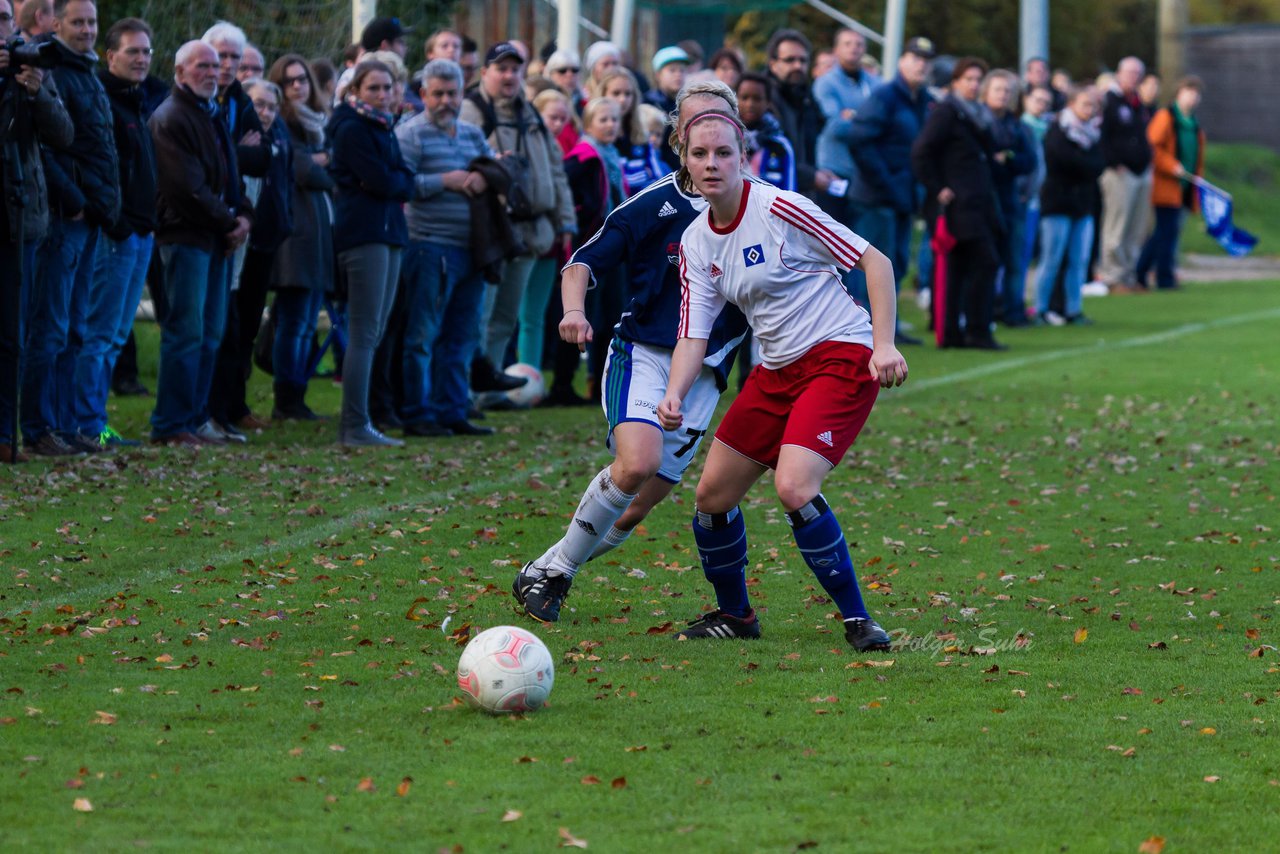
{"x": 779, "y": 258}
{"x": 644, "y": 234}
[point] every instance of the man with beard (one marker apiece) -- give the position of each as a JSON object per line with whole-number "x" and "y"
{"x": 443, "y": 292}
{"x": 798, "y": 111}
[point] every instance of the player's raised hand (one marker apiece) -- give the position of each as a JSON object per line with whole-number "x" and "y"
{"x": 888, "y": 366}
{"x": 576, "y": 329}
{"x": 669, "y": 413}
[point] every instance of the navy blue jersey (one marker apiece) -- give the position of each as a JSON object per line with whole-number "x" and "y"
{"x": 644, "y": 233}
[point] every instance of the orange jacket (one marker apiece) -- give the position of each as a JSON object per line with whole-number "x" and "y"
{"x": 1166, "y": 188}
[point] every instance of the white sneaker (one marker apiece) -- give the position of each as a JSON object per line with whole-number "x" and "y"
{"x": 1054, "y": 319}
{"x": 1095, "y": 289}
{"x": 210, "y": 432}
{"x": 924, "y": 299}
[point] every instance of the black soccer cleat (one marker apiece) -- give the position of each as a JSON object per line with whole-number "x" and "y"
{"x": 542, "y": 598}
{"x": 866, "y": 636}
{"x": 521, "y": 584}
{"x": 719, "y": 624}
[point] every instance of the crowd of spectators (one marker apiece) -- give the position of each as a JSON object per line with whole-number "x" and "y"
{"x": 427, "y": 209}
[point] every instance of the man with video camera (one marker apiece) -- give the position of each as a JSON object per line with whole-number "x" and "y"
{"x": 31, "y": 115}
{"x": 84, "y": 197}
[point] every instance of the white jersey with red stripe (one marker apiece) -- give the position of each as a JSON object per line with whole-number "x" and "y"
{"x": 780, "y": 262}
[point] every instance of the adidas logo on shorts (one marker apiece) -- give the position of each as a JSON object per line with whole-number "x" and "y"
{"x": 667, "y": 209}
{"x": 825, "y": 438}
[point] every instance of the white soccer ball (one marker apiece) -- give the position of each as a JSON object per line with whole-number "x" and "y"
{"x": 532, "y": 392}
{"x": 506, "y": 669}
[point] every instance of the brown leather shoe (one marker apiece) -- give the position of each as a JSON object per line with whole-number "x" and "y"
{"x": 6, "y": 455}
{"x": 180, "y": 440}
{"x": 253, "y": 422}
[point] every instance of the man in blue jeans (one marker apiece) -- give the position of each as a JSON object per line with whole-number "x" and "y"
{"x": 124, "y": 248}
{"x": 443, "y": 291}
{"x": 84, "y": 196}
{"x": 882, "y": 135}
{"x": 201, "y": 219}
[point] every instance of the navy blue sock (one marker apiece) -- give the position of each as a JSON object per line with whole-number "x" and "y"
{"x": 822, "y": 544}
{"x": 722, "y": 547}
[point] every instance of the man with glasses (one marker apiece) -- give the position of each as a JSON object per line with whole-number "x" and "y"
{"x": 798, "y": 110}
{"x": 252, "y": 64}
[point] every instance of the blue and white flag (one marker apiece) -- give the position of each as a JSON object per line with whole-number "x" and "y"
{"x": 1215, "y": 206}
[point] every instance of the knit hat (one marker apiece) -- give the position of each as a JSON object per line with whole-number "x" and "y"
{"x": 668, "y": 55}
{"x": 598, "y": 51}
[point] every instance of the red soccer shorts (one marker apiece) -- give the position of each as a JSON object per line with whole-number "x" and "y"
{"x": 819, "y": 402}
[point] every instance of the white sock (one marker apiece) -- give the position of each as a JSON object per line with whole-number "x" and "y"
{"x": 601, "y": 505}
{"x": 611, "y": 541}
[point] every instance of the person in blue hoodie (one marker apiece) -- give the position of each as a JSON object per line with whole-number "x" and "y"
{"x": 369, "y": 234}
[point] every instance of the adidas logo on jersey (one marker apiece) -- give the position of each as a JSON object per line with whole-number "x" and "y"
{"x": 825, "y": 438}
{"x": 667, "y": 209}
{"x": 716, "y": 271}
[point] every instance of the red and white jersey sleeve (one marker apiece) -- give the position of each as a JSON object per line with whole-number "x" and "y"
{"x": 780, "y": 261}
{"x": 700, "y": 301}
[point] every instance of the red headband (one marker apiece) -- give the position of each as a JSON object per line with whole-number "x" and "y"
{"x": 712, "y": 114}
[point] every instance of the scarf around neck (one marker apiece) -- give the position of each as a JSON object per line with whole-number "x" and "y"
{"x": 612, "y": 166}
{"x": 1082, "y": 133}
{"x": 311, "y": 122}
{"x": 367, "y": 111}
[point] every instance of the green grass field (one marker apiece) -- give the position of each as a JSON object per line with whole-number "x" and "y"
{"x": 246, "y": 649}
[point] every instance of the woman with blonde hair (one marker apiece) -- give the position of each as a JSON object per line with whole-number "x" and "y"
{"x": 641, "y": 164}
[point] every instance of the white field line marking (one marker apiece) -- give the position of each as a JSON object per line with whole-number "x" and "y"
{"x": 300, "y": 538}
{"x": 1008, "y": 365}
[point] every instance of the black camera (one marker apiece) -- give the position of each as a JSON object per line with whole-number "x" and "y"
{"x": 38, "y": 55}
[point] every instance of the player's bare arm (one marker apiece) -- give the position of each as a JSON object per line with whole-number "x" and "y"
{"x": 575, "y": 328}
{"x": 686, "y": 363}
{"x": 887, "y": 365}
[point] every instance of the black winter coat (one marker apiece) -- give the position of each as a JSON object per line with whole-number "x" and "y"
{"x": 952, "y": 151}
{"x": 273, "y": 212}
{"x": 45, "y": 123}
{"x": 1124, "y": 132}
{"x": 198, "y": 195}
{"x": 236, "y": 110}
{"x": 373, "y": 182}
{"x": 137, "y": 157}
{"x": 306, "y": 259}
{"x": 802, "y": 121}
{"x": 1071, "y": 176}
{"x": 84, "y": 177}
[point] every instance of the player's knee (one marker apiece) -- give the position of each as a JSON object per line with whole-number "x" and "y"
{"x": 630, "y": 473}
{"x": 794, "y": 491}
{"x": 709, "y": 499}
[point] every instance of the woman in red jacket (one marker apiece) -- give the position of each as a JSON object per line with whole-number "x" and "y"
{"x": 1177, "y": 144}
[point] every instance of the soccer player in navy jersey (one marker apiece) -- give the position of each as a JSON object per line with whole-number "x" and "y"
{"x": 643, "y": 233}
{"x": 777, "y": 256}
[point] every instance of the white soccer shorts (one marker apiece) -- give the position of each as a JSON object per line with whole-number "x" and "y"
{"x": 635, "y": 379}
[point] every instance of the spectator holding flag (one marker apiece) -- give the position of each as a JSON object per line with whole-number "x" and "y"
{"x": 1177, "y": 144}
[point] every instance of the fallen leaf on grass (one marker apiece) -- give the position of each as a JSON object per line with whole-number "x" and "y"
{"x": 1151, "y": 845}
{"x": 403, "y": 788}
{"x": 1208, "y": 731}
{"x": 1212, "y": 778}
{"x": 618, "y": 782}
{"x": 639, "y": 748}
{"x": 337, "y": 748}
{"x": 1081, "y": 634}
{"x": 104, "y": 718}
{"x": 82, "y": 805}
{"x": 366, "y": 785}
{"x": 590, "y": 780}
{"x": 568, "y": 840}
{"x": 659, "y": 630}
{"x": 1252, "y": 634}
{"x": 512, "y": 815}
{"x": 1132, "y": 691}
